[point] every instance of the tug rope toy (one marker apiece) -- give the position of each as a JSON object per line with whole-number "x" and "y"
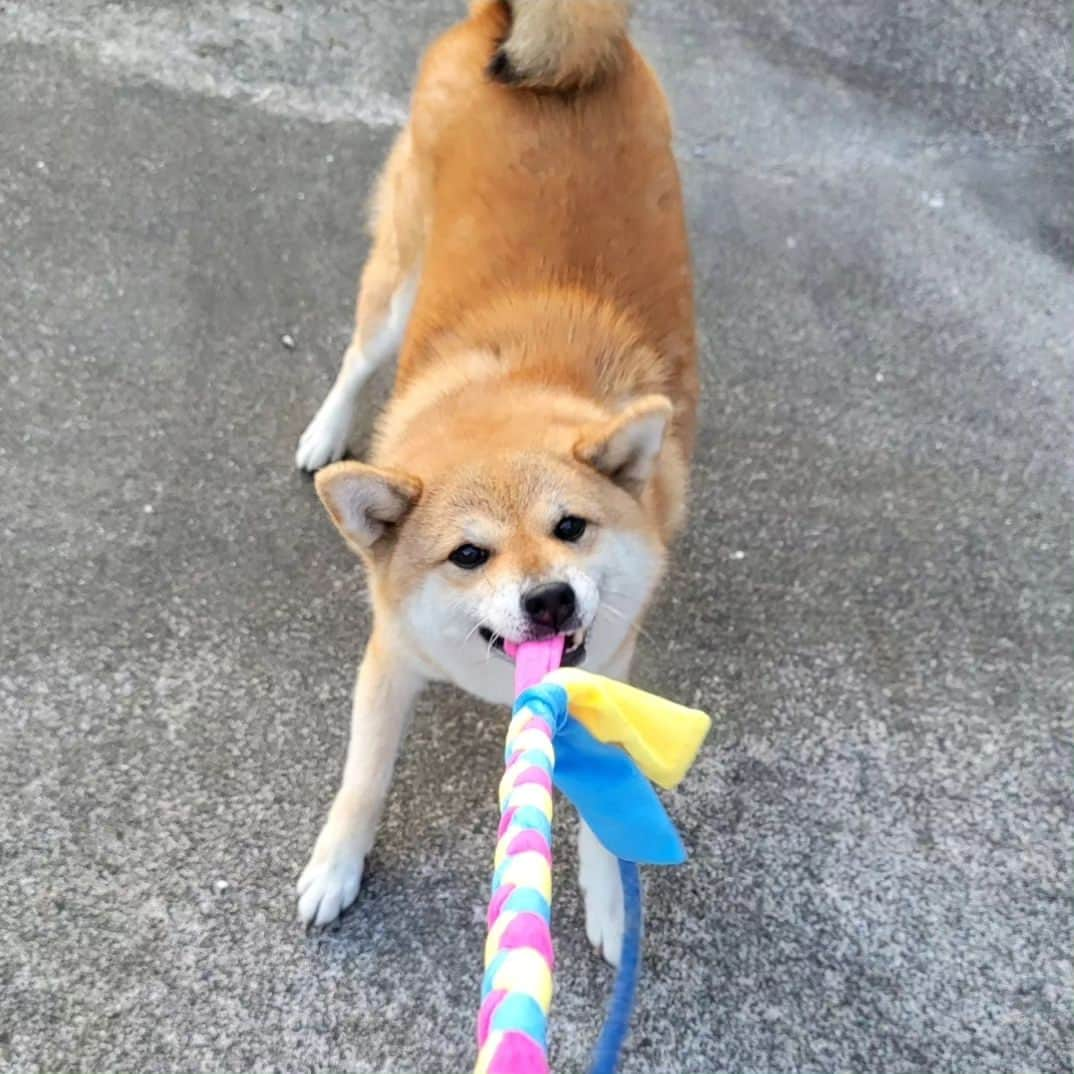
{"x": 599, "y": 742}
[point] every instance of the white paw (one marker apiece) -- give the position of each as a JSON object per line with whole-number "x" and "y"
{"x": 604, "y": 921}
{"x": 325, "y": 438}
{"x": 602, "y": 891}
{"x": 327, "y": 888}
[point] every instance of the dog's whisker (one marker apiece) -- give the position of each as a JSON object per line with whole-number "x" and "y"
{"x": 633, "y": 628}
{"x": 609, "y": 592}
{"x": 631, "y": 623}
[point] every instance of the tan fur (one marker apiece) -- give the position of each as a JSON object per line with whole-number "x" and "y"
{"x": 554, "y": 245}
{"x": 548, "y": 366}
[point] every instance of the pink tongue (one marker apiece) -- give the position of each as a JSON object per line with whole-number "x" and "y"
{"x": 534, "y": 659}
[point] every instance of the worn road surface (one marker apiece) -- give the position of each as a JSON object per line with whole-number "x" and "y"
{"x": 874, "y": 595}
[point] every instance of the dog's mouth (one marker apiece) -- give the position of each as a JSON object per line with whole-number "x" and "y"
{"x": 573, "y": 646}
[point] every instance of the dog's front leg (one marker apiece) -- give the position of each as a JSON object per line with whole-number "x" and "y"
{"x": 602, "y": 892}
{"x": 384, "y": 696}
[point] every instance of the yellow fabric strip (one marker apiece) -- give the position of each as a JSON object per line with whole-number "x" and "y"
{"x": 663, "y": 738}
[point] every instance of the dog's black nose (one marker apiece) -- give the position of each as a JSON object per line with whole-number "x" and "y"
{"x": 549, "y": 605}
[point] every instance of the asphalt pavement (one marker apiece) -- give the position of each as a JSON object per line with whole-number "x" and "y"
{"x": 874, "y": 595}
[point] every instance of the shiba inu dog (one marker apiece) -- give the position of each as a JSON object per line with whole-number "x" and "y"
{"x": 530, "y": 265}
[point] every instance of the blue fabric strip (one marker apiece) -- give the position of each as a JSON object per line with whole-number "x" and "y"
{"x": 605, "y": 785}
{"x": 614, "y": 798}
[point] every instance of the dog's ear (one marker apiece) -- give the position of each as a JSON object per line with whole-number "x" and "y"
{"x": 366, "y": 503}
{"x": 625, "y": 448}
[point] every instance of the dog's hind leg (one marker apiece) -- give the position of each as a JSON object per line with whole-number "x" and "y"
{"x": 325, "y": 438}
{"x": 385, "y": 299}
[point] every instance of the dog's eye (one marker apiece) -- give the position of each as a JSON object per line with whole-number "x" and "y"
{"x": 469, "y": 556}
{"x": 570, "y": 528}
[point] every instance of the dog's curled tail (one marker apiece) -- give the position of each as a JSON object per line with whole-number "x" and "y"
{"x": 561, "y": 45}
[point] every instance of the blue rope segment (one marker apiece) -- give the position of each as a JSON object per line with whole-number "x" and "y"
{"x": 617, "y": 1021}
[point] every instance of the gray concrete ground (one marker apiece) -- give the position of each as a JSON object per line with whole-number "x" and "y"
{"x": 875, "y": 593}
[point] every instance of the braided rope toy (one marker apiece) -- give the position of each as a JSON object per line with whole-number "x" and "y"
{"x": 610, "y": 738}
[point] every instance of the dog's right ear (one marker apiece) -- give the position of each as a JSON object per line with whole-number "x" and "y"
{"x": 366, "y": 503}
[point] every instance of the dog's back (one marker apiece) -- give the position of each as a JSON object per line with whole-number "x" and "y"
{"x": 543, "y": 145}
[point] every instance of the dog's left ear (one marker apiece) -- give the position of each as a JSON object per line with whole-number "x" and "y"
{"x": 366, "y": 503}
{"x": 625, "y": 448}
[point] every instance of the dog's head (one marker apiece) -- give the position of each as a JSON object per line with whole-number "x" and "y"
{"x": 532, "y": 524}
